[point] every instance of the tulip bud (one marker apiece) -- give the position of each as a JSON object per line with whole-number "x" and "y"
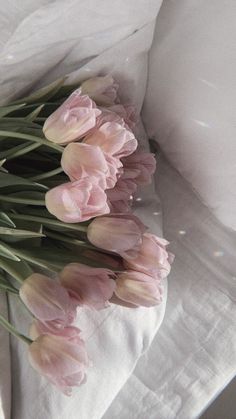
{"x": 61, "y": 360}
{"x": 91, "y": 287}
{"x": 138, "y": 288}
{"x": 152, "y": 257}
{"x": 77, "y": 201}
{"x": 113, "y": 139}
{"x": 103, "y": 90}
{"x": 81, "y": 160}
{"x": 72, "y": 120}
{"x": 142, "y": 164}
{"x": 47, "y": 300}
{"x": 121, "y": 234}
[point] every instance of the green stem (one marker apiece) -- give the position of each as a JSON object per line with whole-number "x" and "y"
{"x": 46, "y": 175}
{"x": 7, "y": 268}
{"x": 24, "y": 201}
{"x": 33, "y": 138}
{"x": 7, "y": 288}
{"x": 69, "y": 240}
{"x": 8, "y": 326}
{"x": 20, "y": 151}
{"x": 48, "y": 221}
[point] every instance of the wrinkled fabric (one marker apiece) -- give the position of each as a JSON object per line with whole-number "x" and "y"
{"x": 193, "y": 355}
{"x": 191, "y": 95}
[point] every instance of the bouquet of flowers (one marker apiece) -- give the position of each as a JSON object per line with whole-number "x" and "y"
{"x": 69, "y": 167}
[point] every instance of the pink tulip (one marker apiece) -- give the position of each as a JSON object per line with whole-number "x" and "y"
{"x": 87, "y": 286}
{"x": 62, "y": 360}
{"x": 37, "y": 328}
{"x": 152, "y": 258}
{"x": 103, "y": 90}
{"x": 72, "y": 120}
{"x": 140, "y": 166}
{"x": 123, "y": 190}
{"x": 121, "y": 234}
{"x": 113, "y": 139}
{"x": 47, "y": 300}
{"x": 121, "y": 206}
{"x": 138, "y": 288}
{"x": 77, "y": 201}
{"x": 109, "y": 116}
{"x": 126, "y": 112}
{"x": 83, "y": 160}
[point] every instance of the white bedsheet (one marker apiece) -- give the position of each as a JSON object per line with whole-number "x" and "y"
{"x": 193, "y": 356}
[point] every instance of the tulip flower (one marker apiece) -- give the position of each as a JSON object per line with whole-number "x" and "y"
{"x": 113, "y": 139}
{"x": 152, "y": 257}
{"x": 81, "y": 160}
{"x": 103, "y": 90}
{"x": 47, "y": 300}
{"x": 108, "y": 115}
{"x": 77, "y": 201}
{"x": 119, "y": 206}
{"x": 123, "y": 190}
{"x": 121, "y": 234}
{"x": 140, "y": 166}
{"x": 87, "y": 286}
{"x": 138, "y": 288}
{"x": 63, "y": 361}
{"x": 72, "y": 120}
{"x": 37, "y": 328}
{"x": 126, "y": 112}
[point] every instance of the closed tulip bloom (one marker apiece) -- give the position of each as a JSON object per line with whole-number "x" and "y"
{"x": 138, "y": 288}
{"x": 123, "y": 206}
{"x": 81, "y": 160}
{"x": 87, "y": 286}
{"x": 121, "y": 234}
{"x": 77, "y": 201}
{"x": 109, "y": 116}
{"x": 123, "y": 190}
{"x": 126, "y": 112}
{"x": 103, "y": 90}
{"x": 152, "y": 258}
{"x": 47, "y": 300}
{"x": 141, "y": 166}
{"x": 37, "y": 328}
{"x": 60, "y": 360}
{"x": 113, "y": 139}
{"x": 72, "y": 120}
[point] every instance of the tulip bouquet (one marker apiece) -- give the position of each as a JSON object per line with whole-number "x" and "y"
{"x": 69, "y": 167}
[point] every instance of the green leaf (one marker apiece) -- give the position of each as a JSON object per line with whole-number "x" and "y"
{"x": 7, "y": 180}
{"x": 18, "y": 150}
{"x": 19, "y": 270}
{"x": 33, "y": 115}
{"x": 7, "y": 253}
{"x": 5, "y": 110}
{"x": 2, "y": 169}
{"x": 5, "y": 220}
{"x": 19, "y": 234}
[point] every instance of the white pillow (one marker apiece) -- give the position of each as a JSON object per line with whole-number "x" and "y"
{"x": 191, "y": 95}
